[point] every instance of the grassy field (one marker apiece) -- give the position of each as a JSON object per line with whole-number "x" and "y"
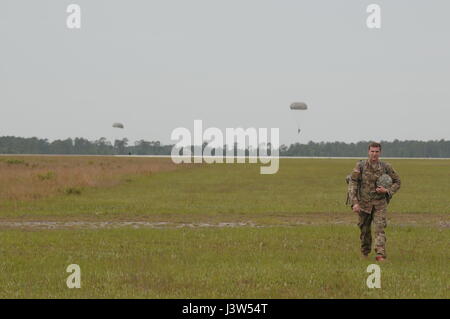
{"x": 273, "y": 262}
{"x": 296, "y": 239}
{"x": 300, "y": 186}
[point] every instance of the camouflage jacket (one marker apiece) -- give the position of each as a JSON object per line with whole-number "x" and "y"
{"x": 368, "y": 180}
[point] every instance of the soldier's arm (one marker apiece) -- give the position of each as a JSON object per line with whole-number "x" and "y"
{"x": 395, "y": 180}
{"x": 355, "y": 177}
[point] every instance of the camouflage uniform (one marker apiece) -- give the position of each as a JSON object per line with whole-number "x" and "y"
{"x": 373, "y": 205}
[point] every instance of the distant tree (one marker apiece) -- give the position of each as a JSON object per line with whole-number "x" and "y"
{"x": 120, "y": 146}
{"x": 396, "y": 148}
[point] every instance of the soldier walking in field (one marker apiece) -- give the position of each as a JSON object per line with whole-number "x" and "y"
{"x": 371, "y": 186}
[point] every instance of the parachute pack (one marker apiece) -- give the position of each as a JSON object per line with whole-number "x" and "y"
{"x": 384, "y": 180}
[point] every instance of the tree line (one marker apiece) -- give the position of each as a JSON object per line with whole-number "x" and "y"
{"x": 82, "y": 146}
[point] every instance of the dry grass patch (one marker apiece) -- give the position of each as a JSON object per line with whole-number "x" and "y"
{"x": 34, "y": 177}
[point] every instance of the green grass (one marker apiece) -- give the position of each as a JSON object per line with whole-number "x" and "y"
{"x": 317, "y": 260}
{"x": 300, "y": 186}
{"x": 278, "y": 262}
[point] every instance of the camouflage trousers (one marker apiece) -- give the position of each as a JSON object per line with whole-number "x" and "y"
{"x": 373, "y": 211}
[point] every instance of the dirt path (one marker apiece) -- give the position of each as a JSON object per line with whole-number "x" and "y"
{"x": 113, "y": 224}
{"x": 430, "y": 220}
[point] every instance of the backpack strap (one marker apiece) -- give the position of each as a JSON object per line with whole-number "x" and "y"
{"x": 362, "y": 164}
{"x": 384, "y": 166}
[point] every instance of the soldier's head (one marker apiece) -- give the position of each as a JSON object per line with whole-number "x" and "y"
{"x": 374, "y": 151}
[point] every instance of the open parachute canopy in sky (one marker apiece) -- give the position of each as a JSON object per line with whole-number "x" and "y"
{"x": 117, "y": 125}
{"x": 299, "y": 106}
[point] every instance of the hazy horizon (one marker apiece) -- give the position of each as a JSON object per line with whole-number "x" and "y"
{"x": 131, "y": 142}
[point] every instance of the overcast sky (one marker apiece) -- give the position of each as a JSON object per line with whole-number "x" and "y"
{"x": 158, "y": 65}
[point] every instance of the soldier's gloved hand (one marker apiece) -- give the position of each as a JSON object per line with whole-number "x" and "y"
{"x": 356, "y": 208}
{"x": 381, "y": 190}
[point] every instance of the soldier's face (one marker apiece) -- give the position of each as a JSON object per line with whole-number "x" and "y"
{"x": 374, "y": 153}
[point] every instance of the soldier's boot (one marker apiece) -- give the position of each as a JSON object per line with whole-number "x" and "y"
{"x": 366, "y": 248}
{"x": 381, "y": 253}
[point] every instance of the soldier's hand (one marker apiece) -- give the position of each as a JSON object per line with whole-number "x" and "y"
{"x": 381, "y": 190}
{"x": 356, "y": 208}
